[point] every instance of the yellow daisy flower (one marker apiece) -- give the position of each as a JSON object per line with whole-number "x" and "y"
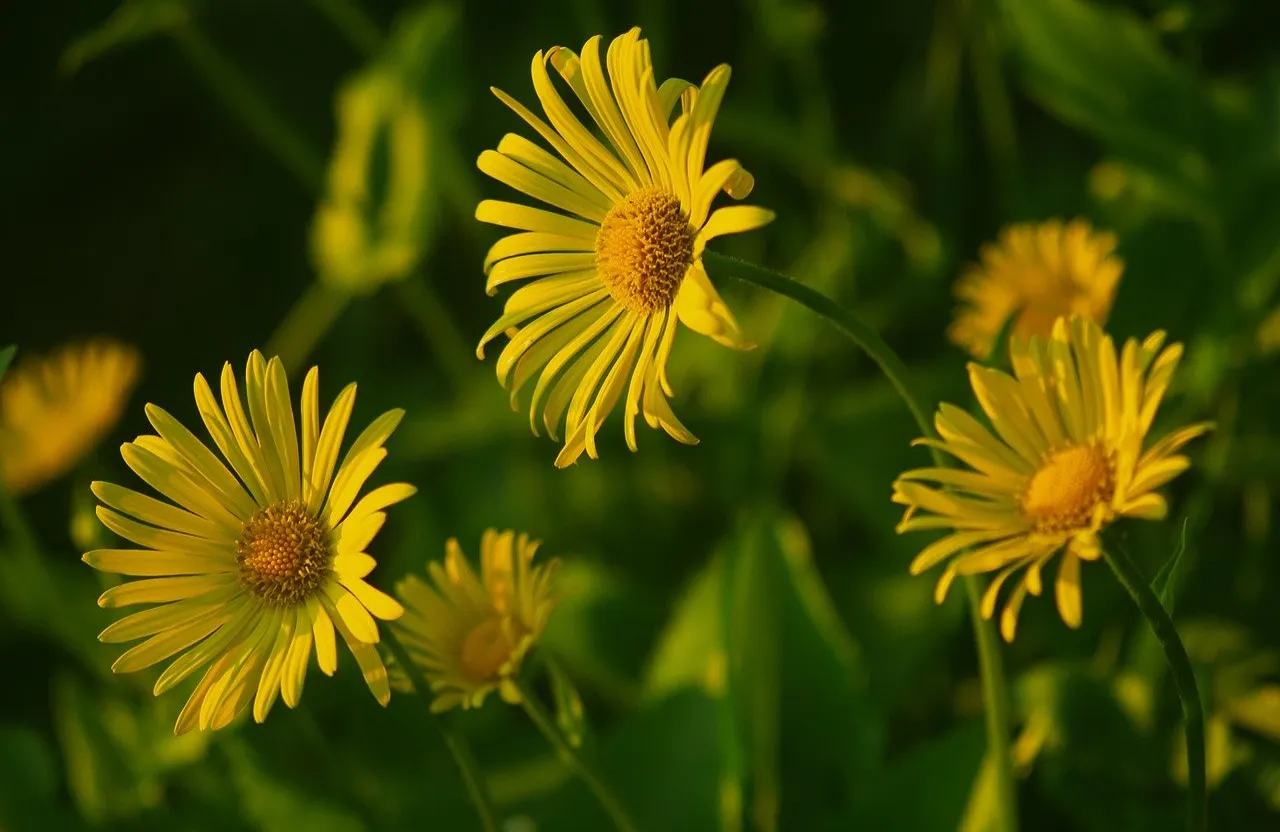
{"x": 55, "y": 408}
{"x": 618, "y": 262}
{"x": 257, "y": 562}
{"x": 1037, "y": 272}
{"x": 470, "y": 633}
{"x": 1067, "y": 459}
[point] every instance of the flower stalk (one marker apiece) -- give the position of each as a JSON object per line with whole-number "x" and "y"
{"x": 1184, "y": 678}
{"x": 994, "y": 688}
{"x": 469, "y": 767}
{"x": 544, "y": 723}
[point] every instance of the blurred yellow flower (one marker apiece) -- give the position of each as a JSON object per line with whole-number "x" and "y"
{"x": 256, "y": 562}
{"x": 55, "y": 408}
{"x": 1036, "y": 273}
{"x": 470, "y": 633}
{"x": 371, "y": 227}
{"x": 1067, "y": 459}
{"x": 618, "y": 262}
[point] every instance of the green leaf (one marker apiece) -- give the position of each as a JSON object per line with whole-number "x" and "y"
{"x": 662, "y": 761}
{"x": 571, "y": 716}
{"x": 133, "y": 21}
{"x": 1102, "y": 70}
{"x": 794, "y": 700}
{"x": 6, "y": 358}
{"x": 1168, "y": 578}
{"x": 274, "y": 803}
{"x": 925, "y": 789}
{"x": 117, "y": 750}
{"x": 29, "y": 798}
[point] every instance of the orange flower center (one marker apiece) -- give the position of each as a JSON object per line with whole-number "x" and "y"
{"x": 1063, "y": 493}
{"x": 486, "y": 650}
{"x": 283, "y": 555}
{"x": 643, "y": 249}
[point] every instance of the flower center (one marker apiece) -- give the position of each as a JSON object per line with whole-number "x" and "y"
{"x": 643, "y": 249}
{"x": 486, "y": 650}
{"x": 1062, "y": 494}
{"x": 283, "y": 554}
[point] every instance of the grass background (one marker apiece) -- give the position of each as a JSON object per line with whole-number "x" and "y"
{"x": 892, "y": 139}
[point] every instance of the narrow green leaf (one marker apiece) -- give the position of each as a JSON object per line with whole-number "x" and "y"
{"x": 571, "y": 717}
{"x": 133, "y": 21}
{"x": 6, "y": 358}
{"x": 1168, "y": 578}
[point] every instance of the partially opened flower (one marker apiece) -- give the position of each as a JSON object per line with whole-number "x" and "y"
{"x": 1034, "y": 274}
{"x": 617, "y": 261}
{"x": 257, "y": 562}
{"x": 55, "y": 408}
{"x": 470, "y": 633}
{"x": 1069, "y": 456}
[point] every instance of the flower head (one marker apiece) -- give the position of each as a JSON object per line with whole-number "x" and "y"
{"x": 1068, "y": 457}
{"x": 617, "y": 263}
{"x": 1036, "y": 273}
{"x": 55, "y": 408}
{"x": 470, "y": 633}
{"x": 256, "y": 562}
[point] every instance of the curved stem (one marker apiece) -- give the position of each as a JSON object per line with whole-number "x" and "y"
{"x": 306, "y": 323}
{"x": 994, "y": 689}
{"x": 533, "y": 707}
{"x": 239, "y": 94}
{"x": 472, "y": 776}
{"x": 1184, "y": 678}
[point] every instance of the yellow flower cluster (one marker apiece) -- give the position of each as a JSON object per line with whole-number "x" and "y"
{"x": 255, "y": 558}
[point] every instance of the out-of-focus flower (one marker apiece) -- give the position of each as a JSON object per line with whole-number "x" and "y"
{"x": 1068, "y": 457}
{"x": 387, "y": 172}
{"x": 55, "y": 408}
{"x": 618, "y": 262}
{"x": 371, "y": 226}
{"x": 255, "y": 563}
{"x": 1035, "y": 274}
{"x": 470, "y": 633}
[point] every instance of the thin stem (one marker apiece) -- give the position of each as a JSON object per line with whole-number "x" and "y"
{"x": 1184, "y": 678}
{"x": 16, "y": 522}
{"x": 533, "y": 707}
{"x": 438, "y": 329}
{"x": 996, "y": 694}
{"x": 351, "y": 21}
{"x": 240, "y": 96}
{"x": 472, "y": 776}
{"x": 993, "y": 685}
{"x": 306, "y": 322}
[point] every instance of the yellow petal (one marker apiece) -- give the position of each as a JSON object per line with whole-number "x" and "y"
{"x": 701, "y": 309}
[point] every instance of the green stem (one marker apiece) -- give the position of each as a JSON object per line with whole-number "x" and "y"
{"x": 993, "y": 685}
{"x": 306, "y": 323}
{"x": 239, "y": 95}
{"x": 533, "y": 707}
{"x": 1184, "y": 678}
{"x": 16, "y": 522}
{"x": 438, "y": 329}
{"x": 472, "y": 776}
{"x": 350, "y": 21}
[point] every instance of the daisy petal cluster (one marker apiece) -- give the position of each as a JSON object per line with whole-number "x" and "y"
{"x": 469, "y": 633}
{"x": 615, "y": 264}
{"x": 1065, "y": 456}
{"x": 1036, "y": 273}
{"x": 55, "y": 408}
{"x": 256, "y": 558}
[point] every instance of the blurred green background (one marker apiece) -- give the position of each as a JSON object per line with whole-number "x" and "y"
{"x": 737, "y": 616}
